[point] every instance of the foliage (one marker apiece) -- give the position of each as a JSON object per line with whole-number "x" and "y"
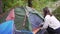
{"x": 37, "y": 4}
{"x": 12, "y": 3}
{"x": 57, "y": 13}
{"x": 53, "y": 0}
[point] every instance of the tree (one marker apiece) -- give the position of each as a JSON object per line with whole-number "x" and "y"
{"x": 30, "y": 3}
{"x": 1, "y": 6}
{"x": 37, "y": 4}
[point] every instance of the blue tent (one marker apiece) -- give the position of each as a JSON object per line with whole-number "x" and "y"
{"x": 7, "y": 27}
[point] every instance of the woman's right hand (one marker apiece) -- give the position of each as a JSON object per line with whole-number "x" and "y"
{"x": 35, "y": 31}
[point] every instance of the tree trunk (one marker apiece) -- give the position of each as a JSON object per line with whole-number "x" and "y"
{"x": 30, "y": 3}
{"x": 1, "y": 6}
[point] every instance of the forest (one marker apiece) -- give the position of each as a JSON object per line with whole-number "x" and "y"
{"x": 36, "y": 4}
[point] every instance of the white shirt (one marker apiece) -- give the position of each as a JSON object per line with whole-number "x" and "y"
{"x": 52, "y": 22}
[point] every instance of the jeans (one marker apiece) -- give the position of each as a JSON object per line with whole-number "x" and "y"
{"x": 52, "y": 31}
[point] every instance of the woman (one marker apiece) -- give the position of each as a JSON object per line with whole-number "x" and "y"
{"x": 50, "y": 22}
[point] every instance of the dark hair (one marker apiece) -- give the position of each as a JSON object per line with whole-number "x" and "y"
{"x": 46, "y": 11}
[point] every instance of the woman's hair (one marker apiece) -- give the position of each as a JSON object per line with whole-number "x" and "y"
{"x": 46, "y": 11}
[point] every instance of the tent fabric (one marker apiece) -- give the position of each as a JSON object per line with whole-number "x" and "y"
{"x": 19, "y": 18}
{"x": 23, "y": 32}
{"x": 32, "y": 10}
{"x": 11, "y": 15}
{"x": 35, "y": 20}
{"x": 6, "y": 27}
{"x": 20, "y": 13}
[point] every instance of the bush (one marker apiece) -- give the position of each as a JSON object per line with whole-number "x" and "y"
{"x": 57, "y": 13}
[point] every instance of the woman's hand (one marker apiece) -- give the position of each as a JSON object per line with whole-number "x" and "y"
{"x": 35, "y": 31}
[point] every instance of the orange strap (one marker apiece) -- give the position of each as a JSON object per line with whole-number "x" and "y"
{"x": 35, "y": 31}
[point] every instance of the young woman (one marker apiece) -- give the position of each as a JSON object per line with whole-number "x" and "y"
{"x": 50, "y": 22}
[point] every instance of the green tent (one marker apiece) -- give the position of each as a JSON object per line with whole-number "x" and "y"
{"x": 20, "y": 15}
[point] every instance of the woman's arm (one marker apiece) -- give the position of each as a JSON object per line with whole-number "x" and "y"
{"x": 46, "y": 23}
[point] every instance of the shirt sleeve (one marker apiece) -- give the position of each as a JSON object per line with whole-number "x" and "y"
{"x": 46, "y": 23}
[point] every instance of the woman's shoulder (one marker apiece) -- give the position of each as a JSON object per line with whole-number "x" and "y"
{"x": 47, "y": 16}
